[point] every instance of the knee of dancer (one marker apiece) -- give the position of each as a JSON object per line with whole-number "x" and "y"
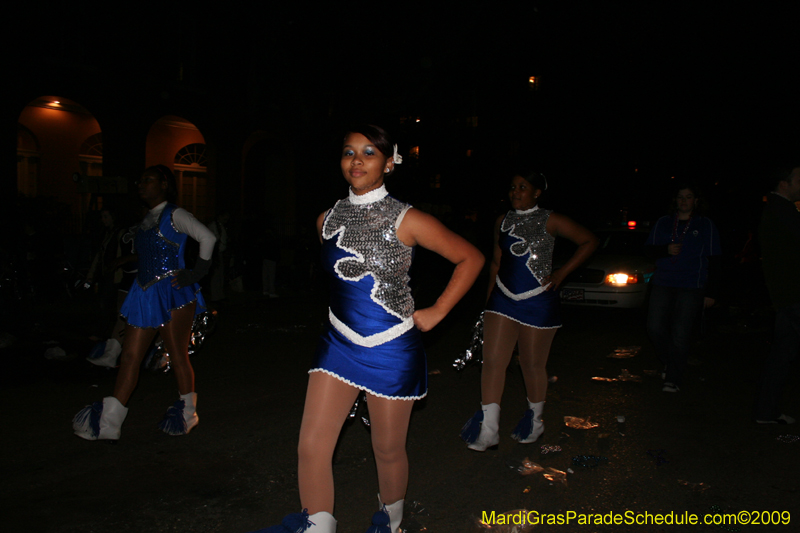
{"x": 389, "y": 452}
{"x": 495, "y": 364}
{"x": 534, "y": 366}
{"x": 180, "y": 359}
{"x": 305, "y": 450}
{"x": 310, "y": 448}
{"x": 130, "y": 356}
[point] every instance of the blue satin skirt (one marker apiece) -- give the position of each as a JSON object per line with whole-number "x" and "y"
{"x": 152, "y": 308}
{"x": 396, "y": 370}
{"x": 541, "y": 311}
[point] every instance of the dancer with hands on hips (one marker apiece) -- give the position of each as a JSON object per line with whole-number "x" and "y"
{"x": 523, "y": 307}
{"x": 372, "y": 342}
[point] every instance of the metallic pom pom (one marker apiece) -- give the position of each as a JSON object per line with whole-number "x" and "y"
{"x": 475, "y": 349}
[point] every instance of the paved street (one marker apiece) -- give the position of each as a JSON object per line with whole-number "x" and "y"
{"x": 683, "y": 453}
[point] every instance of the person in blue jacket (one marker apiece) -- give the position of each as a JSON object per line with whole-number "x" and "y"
{"x": 686, "y": 247}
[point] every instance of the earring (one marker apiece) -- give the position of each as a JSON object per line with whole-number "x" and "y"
{"x": 387, "y": 169}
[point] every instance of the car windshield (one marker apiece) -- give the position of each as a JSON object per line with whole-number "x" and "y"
{"x": 621, "y": 242}
{"x": 630, "y": 242}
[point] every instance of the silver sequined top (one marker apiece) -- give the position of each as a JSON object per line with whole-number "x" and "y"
{"x": 529, "y": 230}
{"x": 367, "y": 228}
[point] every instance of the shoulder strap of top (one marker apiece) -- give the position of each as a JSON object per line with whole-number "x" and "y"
{"x": 401, "y": 216}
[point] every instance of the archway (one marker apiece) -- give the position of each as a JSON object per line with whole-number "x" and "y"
{"x": 178, "y": 144}
{"x": 51, "y": 132}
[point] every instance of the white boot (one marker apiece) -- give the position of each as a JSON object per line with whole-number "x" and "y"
{"x": 190, "y": 410}
{"x": 395, "y": 512}
{"x": 110, "y": 355}
{"x": 182, "y": 416}
{"x": 321, "y": 522}
{"x": 489, "y": 435}
{"x": 100, "y": 421}
{"x": 531, "y": 426}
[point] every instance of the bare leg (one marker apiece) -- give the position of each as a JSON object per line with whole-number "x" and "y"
{"x": 176, "y": 335}
{"x": 328, "y": 401}
{"x": 500, "y": 335}
{"x": 534, "y": 349}
{"x": 137, "y": 341}
{"x": 389, "y": 422}
{"x": 119, "y": 326}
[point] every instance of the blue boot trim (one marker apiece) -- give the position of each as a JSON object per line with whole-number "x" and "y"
{"x": 524, "y": 427}
{"x": 98, "y": 350}
{"x": 472, "y": 428}
{"x": 291, "y": 523}
{"x": 88, "y": 419}
{"x": 297, "y": 522}
{"x": 174, "y": 423}
{"x": 380, "y": 523}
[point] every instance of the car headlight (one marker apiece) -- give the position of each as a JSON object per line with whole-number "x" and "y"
{"x": 620, "y": 279}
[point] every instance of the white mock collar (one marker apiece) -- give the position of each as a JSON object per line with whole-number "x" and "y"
{"x": 527, "y": 211}
{"x": 160, "y": 207}
{"x": 368, "y": 198}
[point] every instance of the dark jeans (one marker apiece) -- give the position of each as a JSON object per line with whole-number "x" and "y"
{"x": 670, "y": 319}
{"x": 784, "y": 351}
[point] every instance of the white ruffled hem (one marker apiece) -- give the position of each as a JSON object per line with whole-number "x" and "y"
{"x": 521, "y": 322}
{"x": 365, "y": 389}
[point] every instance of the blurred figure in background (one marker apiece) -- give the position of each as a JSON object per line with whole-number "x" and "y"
{"x": 114, "y": 268}
{"x": 686, "y": 248}
{"x": 219, "y": 227}
{"x": 780, "y": 255}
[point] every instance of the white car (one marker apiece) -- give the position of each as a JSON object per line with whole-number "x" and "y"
{"x": 617, "y": 274}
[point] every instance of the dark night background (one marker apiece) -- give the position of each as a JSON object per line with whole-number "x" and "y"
{"x": 630, "y": 94}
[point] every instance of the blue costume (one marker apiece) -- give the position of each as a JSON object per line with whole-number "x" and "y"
{"x": 699, "y": 239}
{"x": 371, "y": 342}
{"x": 678, "y": 289}
{"x": 526, "y": 260}
{"x": 152, "y": 297}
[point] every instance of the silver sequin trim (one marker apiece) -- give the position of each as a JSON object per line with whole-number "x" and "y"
{"x": 156, "y": 279}
{"x": 367, "y": 230}
{"x": 531, "y": 230}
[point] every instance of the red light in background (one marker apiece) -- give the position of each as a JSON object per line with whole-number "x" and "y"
{"x": 631, "y": 224}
